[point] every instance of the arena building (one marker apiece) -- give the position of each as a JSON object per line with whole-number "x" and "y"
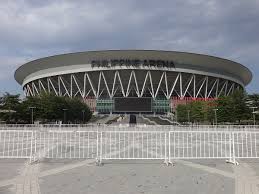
{"x": 133, "y": 80}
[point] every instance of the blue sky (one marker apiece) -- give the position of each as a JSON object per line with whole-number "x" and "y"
{"x": 33, "y": 28}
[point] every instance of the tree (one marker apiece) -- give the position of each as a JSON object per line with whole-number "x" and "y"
{"x": 8, "y": 105}
{"x": 241, "y": 110}
{"x": 253, "y": 100}
{"x": 52, "y": 106}
{"x": 197, "y": 111}
{"x": 9, "y": 101}
{"x": 23, "y": 111}
{"x": 77, "y": 110}
{"x": 48, "y": 108}
{"x": 225, "y": 112}
{"x": 233, "y": 108}
{"x": 181, "y": 111}
{"x": 212, "y": 112}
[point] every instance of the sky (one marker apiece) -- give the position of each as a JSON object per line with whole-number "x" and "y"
{"x": 30, "y": 29}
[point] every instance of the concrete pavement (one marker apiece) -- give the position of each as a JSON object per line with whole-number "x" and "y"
{"x": 129, "y": 176}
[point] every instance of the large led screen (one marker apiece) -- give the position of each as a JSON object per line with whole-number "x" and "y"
{"x": 132, "y": 104}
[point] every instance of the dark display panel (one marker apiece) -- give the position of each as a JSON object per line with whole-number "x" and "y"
{"x": 133, "y": 104}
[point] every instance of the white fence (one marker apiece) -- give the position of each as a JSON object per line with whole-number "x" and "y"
{"x": 104, "y": 127}
{"x": 133, "y": 145}
{"x": 199, "y": 145}
{"x": 246, "y": 145}
{"x": 66, "y": 144}
{"x": 16, "y": 144}
{"x": 129, "y": 143}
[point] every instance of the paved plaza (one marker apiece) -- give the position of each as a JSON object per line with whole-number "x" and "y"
{"x": 64, "y": 161}
{"x": 128, "y": 176}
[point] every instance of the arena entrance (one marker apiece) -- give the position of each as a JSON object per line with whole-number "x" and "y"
{"x": 129, "y": 105}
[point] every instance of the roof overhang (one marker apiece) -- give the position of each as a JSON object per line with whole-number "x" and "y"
{"x": 182, "y": 60}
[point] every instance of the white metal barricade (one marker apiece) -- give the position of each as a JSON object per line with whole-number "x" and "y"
{"x": 66, "y": 144}
{"x": 132, "y": 144}
{"x": 135, "y": 145}
{"x": 16, "y": 143}
{"x": 246, "y": 144}
{"x": 199, "y": 145}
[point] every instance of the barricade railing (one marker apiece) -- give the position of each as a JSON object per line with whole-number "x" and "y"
{"x": 16, "y": 144}
{"x": 66, "y": 144}
{"x": 124, "y": 127}
{"x": 199, "y": 145}
{"x": 246, "y": 144}
{"x": 117, "y": 144}
{"x": 134, "y": 145}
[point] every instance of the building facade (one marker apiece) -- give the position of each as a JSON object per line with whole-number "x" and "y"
{"x": 165, "y": 76}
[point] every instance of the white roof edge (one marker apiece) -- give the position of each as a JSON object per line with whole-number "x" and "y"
{"x": 237, "y": 69}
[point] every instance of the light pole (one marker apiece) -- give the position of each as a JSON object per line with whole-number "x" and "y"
{"x": 83, "y": 111}
{"x": 65, "y": 109}
{"x": 188, "y": 115}
{"x": 253, "y": 107}
{"x": 32, "y": 107}
{"x": 215, "y": 114}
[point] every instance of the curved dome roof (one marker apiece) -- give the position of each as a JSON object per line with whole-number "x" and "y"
{"x": 182, "y": 60}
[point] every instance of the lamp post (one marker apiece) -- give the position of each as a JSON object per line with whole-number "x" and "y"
{"x": 249, "y": 104}
{"x": 83, "y": 111}
{"x": 65, "y": 109}
{"x": 215, "y": 114}
{"x": 188, "y": 115}
{"x": 32, "y": 108}
{"x": 253, "y": 108}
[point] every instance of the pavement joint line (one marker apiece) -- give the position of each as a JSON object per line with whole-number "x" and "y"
{"x": 7, "y": 182}
{"x": 208, "y": 169}
{"x": 72, "y": 166}
{"x": 20, "y": 178}
{"x": 66, "y": 167}
{"x": 28, "y": 182}
{"x": 205, "y": 168}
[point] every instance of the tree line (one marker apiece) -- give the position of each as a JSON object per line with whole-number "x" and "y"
{"x": 46, "y": 108}
{"x": 238, "y": 108}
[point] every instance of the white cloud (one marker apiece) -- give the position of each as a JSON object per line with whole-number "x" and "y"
{"x": 31, "y": 29}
